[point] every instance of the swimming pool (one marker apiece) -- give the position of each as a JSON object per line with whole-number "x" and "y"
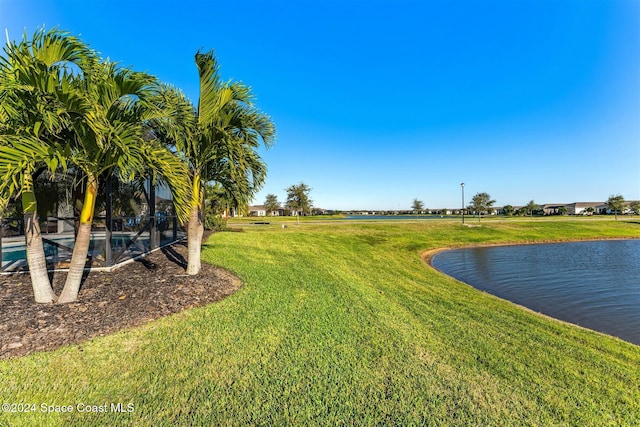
{"x": 15, "y": 253}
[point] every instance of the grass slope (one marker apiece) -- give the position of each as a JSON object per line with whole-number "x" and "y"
{"x": 344, "y": 324}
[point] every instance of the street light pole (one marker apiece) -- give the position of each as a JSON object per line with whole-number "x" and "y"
{"x": 462, "y": 185}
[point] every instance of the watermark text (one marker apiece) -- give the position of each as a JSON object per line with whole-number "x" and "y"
{"x": 25, "y": 407}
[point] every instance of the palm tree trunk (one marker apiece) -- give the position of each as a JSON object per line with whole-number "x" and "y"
{"x": 42, "y": 291}
{"x": 81, "y": 246}
{"x": 194, "y": 231}
{"x": 194, "y": 239}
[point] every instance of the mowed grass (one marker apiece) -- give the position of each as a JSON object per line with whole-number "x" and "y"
{"x": 344, "y": 324}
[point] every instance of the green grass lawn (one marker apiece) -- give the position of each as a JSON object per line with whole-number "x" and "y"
{"x": 341, "y": 324}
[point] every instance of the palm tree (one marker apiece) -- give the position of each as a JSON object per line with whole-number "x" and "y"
{"x": 110, "y": 138}
{"x": 19, "y": 156}
{"x": 508, "y": 210}
{"x": 218, "y": 140}
{"x": 531, "y": 207}
{"x": 615, "y": 203}
{"x": 34, "y": 116}
{"x": 417, "y": 206}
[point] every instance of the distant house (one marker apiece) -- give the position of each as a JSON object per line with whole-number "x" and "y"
{"x": 494, "y": 210}
{"x": 261, "y": 210}
{"x": 627, "y": 206}
{"x": 554, "y": 208}
{"x": 586, "y": 208}
{"x": 258, "y": 210}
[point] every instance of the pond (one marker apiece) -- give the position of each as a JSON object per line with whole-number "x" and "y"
{"x": 593, "y": 284}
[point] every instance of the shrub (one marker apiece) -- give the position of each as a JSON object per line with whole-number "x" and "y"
{"x": 215, "y": 223}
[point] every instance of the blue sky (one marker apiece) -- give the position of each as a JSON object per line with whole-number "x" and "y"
{"x": 380, "y": 102}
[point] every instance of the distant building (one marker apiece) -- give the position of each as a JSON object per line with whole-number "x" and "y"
{"x": 261, "y": 210}
{"x": 554, "y": 208}
{"x": 320, "y": 211}
{"x": 586, "y": 208}
{"x": 257, "y": 210}
{"x": 627, "y": 206}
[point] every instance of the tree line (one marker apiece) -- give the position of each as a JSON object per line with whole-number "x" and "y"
{"x": 67, "y": 111}
{"x": 482, "y": 204}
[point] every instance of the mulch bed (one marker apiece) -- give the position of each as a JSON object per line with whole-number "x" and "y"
{"x": 139, "y": 292}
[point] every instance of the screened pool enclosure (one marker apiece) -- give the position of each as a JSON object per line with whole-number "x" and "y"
{"x": 131, "y": 220}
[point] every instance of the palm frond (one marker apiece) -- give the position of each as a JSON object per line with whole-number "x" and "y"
{"x": 20, "y": 154}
